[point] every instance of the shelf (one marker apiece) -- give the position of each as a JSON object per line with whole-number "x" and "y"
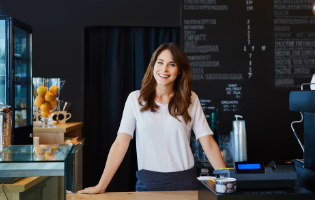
{"x": 21, "y": 58}
{"x": 22, "y": 79}
{"x": 21, "y": 108}
{"x": 24, "y": 184}
{"x": 25, "y": 163}
{"x": 61, "y": 128}
{"x": 21, "y": 83}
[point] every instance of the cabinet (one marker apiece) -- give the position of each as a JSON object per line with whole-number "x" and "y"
{"x": 16, "y": 76}
{"x": 37, "y": 172}
{"x": 58, "y": 134}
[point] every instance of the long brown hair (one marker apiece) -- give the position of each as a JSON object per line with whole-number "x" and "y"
{"x": 181, "y": 99}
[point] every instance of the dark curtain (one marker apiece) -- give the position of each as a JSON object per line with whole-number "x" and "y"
{"x": 115, "y": 61}
{"x": 147, "y": 40}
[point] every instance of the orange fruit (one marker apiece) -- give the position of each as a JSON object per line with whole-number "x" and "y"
{"x": 54, "y": 147}
{"x": 49, "y": 155}
{"x": 53, "y": 103}
{"x": 45, "y": 114}
{"x": 41, "y": 90}
{"x": 54, "y": 89}
{"x": 39, "y": 151}
{"x": 45, "y": 146}
{"x": 45, "y": 107}
{"x": 40, "y": 99}
{"x": 49, "y": 96}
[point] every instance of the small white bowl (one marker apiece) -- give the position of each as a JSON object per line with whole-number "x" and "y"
{"x": 225, "y": 185}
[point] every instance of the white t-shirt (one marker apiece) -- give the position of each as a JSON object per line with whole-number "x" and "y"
{"x": 163, "y": 142}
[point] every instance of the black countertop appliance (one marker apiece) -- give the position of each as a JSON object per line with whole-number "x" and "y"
{"x": 256, "y": 181}
{"x": 304, "y": 102}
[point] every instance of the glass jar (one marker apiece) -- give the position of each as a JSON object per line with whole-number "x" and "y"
{"x": 6, "y": 111}
{"x": 6, "y": 155}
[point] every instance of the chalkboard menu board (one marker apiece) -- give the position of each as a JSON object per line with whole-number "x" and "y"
{"x": 246, "y": 56}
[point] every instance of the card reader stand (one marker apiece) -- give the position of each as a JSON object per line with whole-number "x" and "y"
{"x": 206, "y": 191}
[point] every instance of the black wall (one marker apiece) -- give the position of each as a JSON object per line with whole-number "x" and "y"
{"x": 58, "y": 33}
{"x": 58, "y": 45}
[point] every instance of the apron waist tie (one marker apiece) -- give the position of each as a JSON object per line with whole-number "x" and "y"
{"x": 166, "y": 181}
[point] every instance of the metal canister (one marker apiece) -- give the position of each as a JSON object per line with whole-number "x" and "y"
{"x": 313, "y": 82}
{"x": 5, "y": 127}
{"x": 240, "y": 145}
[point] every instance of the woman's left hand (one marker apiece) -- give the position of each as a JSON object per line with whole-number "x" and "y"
{"x": 212, "y": 151}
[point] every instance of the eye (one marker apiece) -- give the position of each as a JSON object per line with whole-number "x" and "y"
{"x": 160, "y": 63}
{"x": 172, "y": 64}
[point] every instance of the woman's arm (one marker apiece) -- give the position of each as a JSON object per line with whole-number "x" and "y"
{"x": 116, "y": 154}
{"x": 212, "y": 151}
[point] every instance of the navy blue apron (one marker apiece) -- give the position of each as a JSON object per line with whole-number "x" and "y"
{"x": 166, "y": 181}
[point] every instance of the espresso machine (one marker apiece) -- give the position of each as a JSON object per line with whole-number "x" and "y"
{"x": 304, "y": 102}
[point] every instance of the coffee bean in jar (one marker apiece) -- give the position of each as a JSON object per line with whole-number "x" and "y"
{"x": 7, "y": 116}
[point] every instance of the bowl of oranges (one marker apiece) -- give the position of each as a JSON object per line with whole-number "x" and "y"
{"x": 45, "y": 103}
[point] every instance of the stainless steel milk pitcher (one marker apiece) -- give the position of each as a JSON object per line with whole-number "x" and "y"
{"x": 239, "y": 140}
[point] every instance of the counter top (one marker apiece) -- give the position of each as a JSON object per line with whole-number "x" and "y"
{"x": 64, "y": 128}
{"x": 169, "y": 195}
{"x": 58, "y": 134}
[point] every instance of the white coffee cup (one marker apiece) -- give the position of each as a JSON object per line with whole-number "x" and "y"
{"x": 61, "y": 116}
{"x": 225, "y": 185}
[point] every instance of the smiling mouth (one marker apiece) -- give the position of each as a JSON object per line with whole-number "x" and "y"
{"x": 163, "y": 76}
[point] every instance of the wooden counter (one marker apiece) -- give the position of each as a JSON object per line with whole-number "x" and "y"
{"x": 57, "y": 135}
{"x": 170, "y": 195}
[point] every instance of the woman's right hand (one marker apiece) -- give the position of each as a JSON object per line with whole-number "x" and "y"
{"x": 115, "y": 157}
{"x": 92, "y": 190}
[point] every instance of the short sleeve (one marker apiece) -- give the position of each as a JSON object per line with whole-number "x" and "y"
{"x": 128, "y": 120}
{"x": 200, "y": 125}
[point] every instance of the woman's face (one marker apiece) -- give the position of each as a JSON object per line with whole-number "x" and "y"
{"x": 165, "y": 69}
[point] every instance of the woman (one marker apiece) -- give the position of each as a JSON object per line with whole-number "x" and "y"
{"x": 163, "y": 113}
